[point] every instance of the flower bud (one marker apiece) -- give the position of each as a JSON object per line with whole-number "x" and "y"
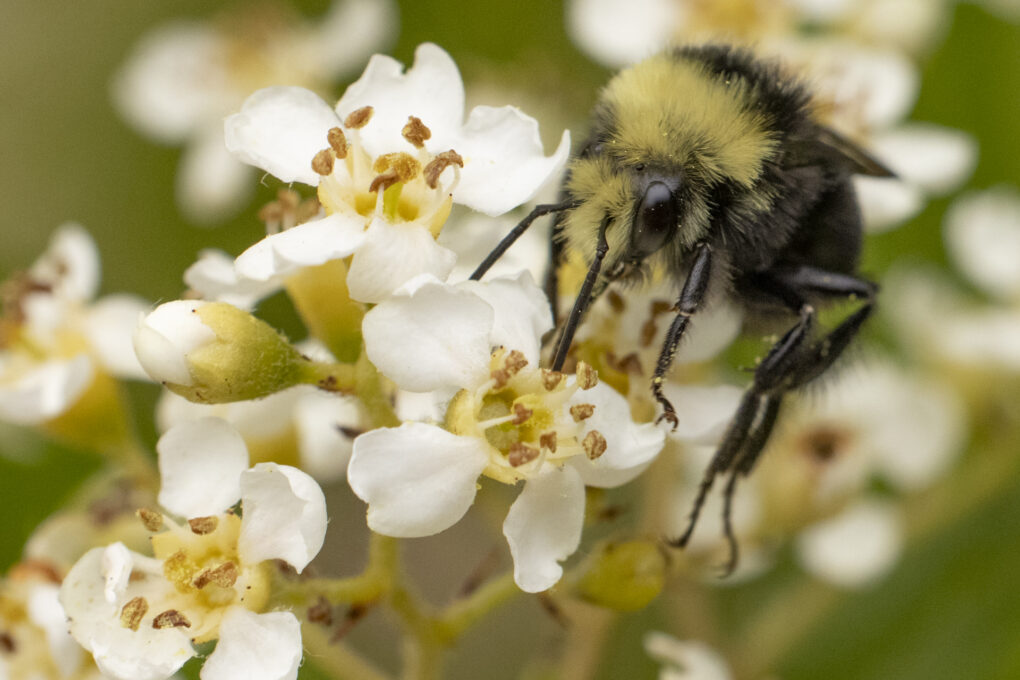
{"x": 213, "y": 352}
{"x": 623, "y": 576}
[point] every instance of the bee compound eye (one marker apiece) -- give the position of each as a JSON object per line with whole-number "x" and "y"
{"x": 655, "y": 220}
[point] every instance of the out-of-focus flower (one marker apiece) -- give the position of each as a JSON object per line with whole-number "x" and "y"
{"x": 854, "y": 548}
{"x": 685, "y": 659}
{"x": 982, "y": 232}
{"x": 57, "y": 344}
{"x": 185, "y": 77}
{"x": 301, "y": 426}
{"x": 209, "y": 576}
{"x": 35, "y": 642}
{"x": 509, "y": 421}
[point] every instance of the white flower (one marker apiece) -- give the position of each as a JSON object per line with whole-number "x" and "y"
{"x": 54, "y": 340}
{"x": 185, "y": 77}
{"x": 509, "y": 421}
{"x": 302, "y": 420}
{"x": 982, "y": 233}
{"x": 209, "y": 577}
{"x": 165, "y": 339}
{"x": 388, "y": 162}
{"x": 685, "y": 660}
{"x": 854, "y": 548}
{"x": 37, "y": 644}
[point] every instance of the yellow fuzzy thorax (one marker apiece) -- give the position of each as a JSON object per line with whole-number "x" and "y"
{"x": 672, "y": 113}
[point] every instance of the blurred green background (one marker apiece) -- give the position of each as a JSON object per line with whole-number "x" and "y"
{"x": 952, "y": 608}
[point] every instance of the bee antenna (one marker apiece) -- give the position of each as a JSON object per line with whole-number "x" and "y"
{"x": 583, "y": 298}
{"x": 516, "y": 232}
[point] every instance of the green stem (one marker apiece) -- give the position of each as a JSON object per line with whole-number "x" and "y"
{"x": 464, "y": 613}
{"x": 329, "y": 376}
{"x": 370, "y": 390}
{"x": 335, "y": 657}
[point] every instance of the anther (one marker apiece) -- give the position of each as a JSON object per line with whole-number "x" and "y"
{"x": 132, "y": 612}
{"x": 224, "y": 576}
{"x": 358, "y": 118}
{"x": 594, "y": 444}
{"x": 203, "y": 525}
{"x": 581, "y": 412}
{"x": 151, "y": 520}
{"x": 337, "y": 141}
{"x": 322, "y": 163}
{"x": 521, "y": 453}
{"x": 551, "y": 379}
{"x": 515, "y": 361}
{"x": 587, "y": 377}
{"x": 521, "y": 414}
{"x": 416, "y": 132}
{"x": 171, "y": 618}
{"x": 441, "y": 162}
{"x": 548, "y": 441}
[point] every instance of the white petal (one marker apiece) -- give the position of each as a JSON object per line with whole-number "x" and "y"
{"x": 622, "y": 32}
{"x": 174, "y": 82}
{"x": 110, "y": 325}
{"x": 277, "y": 256}
{"x": 284, "y": 515}
{"x": 45, "y": 611}
{"x": 523, "y": 314}
{"x": 45, "y": 391}
{"x": 630, "y": 447}
{"x": 391, "y": 256}
{"x": 504, "y": 164}
{"x": 212, "y": 183}
{"x": 349, "y": 32}
{"x": 200, "y": 463}
{"x": 886, "y": 202}
{"x": 854, "y": 548}
{"x": 255, "y": 647}
{"x": 935, "y": 158}
{"x": 543, "y": 527}
{"x": 280, "y": 129}
{"x": 712, "y": 330}
{"x": 214, "y": 277}
{"x": 164, "y": 338}
{"x": 431, "y": 90}
{"x": 703, "y": 412}
{"x": 685, "y": 659}
{"x": 70, "y": 265}
{"x": 435, "y": 337}
{"x": 417, "y": 479}
{"x": 983, "y": 236}
{"x": 145, "y": 654}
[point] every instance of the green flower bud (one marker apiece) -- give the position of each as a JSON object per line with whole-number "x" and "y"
{"x": 623, "y": 576}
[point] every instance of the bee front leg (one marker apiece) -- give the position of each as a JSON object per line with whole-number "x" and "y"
{"x": 691, "y": 298}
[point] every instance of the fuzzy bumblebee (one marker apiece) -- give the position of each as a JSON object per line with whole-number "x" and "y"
{"x": 709, "y": 164}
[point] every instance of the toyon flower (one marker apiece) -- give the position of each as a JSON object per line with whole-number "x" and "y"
{"x": 509, "y": 420}
{"x": 183, "y": 78}
{"x": 56, "y": 341}
{"x": 388, "y": 160}
{"x": 209, "y": 576}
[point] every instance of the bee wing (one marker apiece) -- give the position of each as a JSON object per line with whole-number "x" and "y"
{"x": 830, "y": 148}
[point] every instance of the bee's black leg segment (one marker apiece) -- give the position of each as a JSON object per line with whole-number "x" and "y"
{"x": 583, "y": 299}
{"x": 515, "y": 233}
{"x": 691, "y": 298}
{"x": 723, "y": 459}
{"x": 727, "y": 517}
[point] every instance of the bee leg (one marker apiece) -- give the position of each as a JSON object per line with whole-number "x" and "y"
{"x": 791, "y": 363}
{"x": 584, "y": 298}
{"x": 515, "y": 233}
{"x": 691, "y": 298}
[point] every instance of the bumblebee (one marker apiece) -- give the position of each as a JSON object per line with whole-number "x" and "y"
{"x": 710, "y": 165}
